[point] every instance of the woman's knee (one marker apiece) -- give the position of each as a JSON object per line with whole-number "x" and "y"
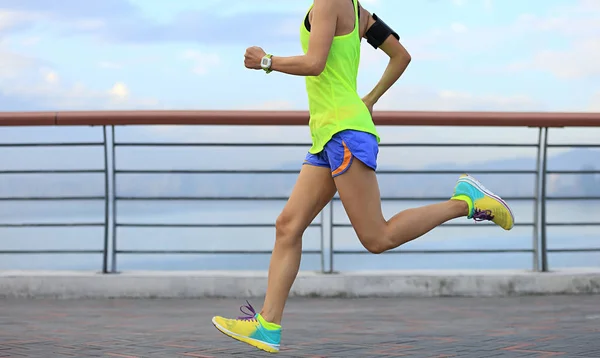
{"x": 376, "y": 246}
{"x": 376, "y": 242}
{"x": 288, "y": 229}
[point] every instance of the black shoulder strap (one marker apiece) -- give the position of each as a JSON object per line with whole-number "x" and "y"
{"x": 307, "y": 18}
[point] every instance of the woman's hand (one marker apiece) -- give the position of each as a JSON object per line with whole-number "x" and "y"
{"x": 253, "y": 57}
{"x": 369, "y": 103}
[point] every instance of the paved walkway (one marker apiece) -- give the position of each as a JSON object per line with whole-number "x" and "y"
{"x": 567, "y": 326}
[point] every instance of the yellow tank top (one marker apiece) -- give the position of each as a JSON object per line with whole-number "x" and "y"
{"x": 333, "y": 100}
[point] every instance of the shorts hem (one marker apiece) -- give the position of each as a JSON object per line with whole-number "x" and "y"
{"x": 316, "y": 165}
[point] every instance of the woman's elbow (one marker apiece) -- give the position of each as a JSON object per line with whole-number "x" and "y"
{"x": 405, "y": 58}
{"x": 316, "y": 67}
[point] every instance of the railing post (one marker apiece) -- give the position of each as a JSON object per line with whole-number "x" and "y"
{"x": 543, "y": 238}
{"x": 106, "y": 208}
{"x": 331, "y": 248}
{"x": 322, "y": 241}
{"x": 536, "y": 203}
{"x": 114, "y": 204}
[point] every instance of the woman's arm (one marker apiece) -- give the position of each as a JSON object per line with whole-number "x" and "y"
{"x": 399, "y": 60}
{"x": 323, "y": 26}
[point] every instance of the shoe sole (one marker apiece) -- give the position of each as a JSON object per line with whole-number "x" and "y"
{"x": 480, "y": 186}
{"x": 267, "y": 347}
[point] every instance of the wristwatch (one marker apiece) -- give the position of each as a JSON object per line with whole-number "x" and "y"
{"x": 266, "y": 62}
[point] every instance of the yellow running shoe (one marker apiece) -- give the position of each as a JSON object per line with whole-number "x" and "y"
{"x": 251, "y": 329}
{"x": 483, "y": 204}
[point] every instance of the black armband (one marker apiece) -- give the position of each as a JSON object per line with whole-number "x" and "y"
{"x": 379, "y": 32}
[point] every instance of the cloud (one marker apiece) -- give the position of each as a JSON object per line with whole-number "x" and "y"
{"x": 77, "y": 96}
{"x": 50, "y": 76}
{"x": 110, "y": 65}
{"x": 421, "y": 99}
{"x": 28, "y": 84}
{"x": 68, "y": 9}
{"x": 276, "y": 105}
{"x": 458, "y": 27}
{"x": 202, "y": 62}
{"x": 120, "y": 21}
{"x": 12, "y": 19}
{"x": 18, "y": 103}
{"x": 576, "y": 23}
{"x": 581, "y": 60}
{"x": 488, "y": 5}
{"x": 119, "y": 91}
{"x": 12, "y": 64}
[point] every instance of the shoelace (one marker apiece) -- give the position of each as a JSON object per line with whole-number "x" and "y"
{"x": 482, "y": 215}
{"x": 249, "y": 316}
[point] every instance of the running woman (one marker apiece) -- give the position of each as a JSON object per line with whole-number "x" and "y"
{"x": 343, "y": 158}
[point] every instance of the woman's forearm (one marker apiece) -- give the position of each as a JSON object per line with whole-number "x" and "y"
{"x": 395, "y": 68}
{"x": 302, "y": 65}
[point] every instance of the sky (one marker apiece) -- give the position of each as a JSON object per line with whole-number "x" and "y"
{"x": 509, "y": 55}
{"x": 188, "y": 54}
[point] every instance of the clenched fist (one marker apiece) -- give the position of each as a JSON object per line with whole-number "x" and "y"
{"x": 253, "y": 57}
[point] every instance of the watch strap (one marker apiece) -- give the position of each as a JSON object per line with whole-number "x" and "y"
{"x": 268, "y": 70}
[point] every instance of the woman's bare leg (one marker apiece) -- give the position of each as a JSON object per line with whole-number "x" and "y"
{"x": 359, "y": 192}
{"x": 313, "y": 190}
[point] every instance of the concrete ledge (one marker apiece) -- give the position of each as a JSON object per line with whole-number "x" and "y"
{"x": 242, "y": 284}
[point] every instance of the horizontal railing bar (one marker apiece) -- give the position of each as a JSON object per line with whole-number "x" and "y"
{"x": 206, "y": 252}
{"x": 573, "y": 172}
{"x": 296, "y": 171}
{"x": 298, "y": 118}
{"x": 48, "y": 252}
{"x": 73, "y": 144}
{"x": 475, "y": 171}
{"x": 200, "y": 198}
{"x": 208, "y": 171}
{"x": 194, "y": 144}
{"x": 473, "y": 251}
{"x": 573, "y": 198}
{"x": 52, "y": 225}
{"x": 459, "y": 145}
{"x": 573, "y": 145}
{"x": 247, "y": 198}
{"x": 53, "y": 171}
{"x": 574, "y": 250}
{"x": 52, "y": 198}
{"x": 348, "y": 225}
{"x": 245, "y": 226}
{"x": 245, "y": 144}
{"x": 597, "y": 223}
{"x": 444, "y": 198}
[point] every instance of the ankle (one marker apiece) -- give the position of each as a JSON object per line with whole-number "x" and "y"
{"x": 268, "y": 323}
{"x": 269, "y": 317}
{"x": 462, "y": 207}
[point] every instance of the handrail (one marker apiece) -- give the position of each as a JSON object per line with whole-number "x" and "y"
{"x": 293, "y": 118}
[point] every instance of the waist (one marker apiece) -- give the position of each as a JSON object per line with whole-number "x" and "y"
{"x": 330, "y": 120}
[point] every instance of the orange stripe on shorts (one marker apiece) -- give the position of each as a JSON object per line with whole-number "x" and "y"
{"x": 346, "y": 163}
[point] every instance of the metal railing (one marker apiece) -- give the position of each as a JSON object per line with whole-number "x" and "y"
{"x": 46, "y": 198}
{"x": 113, "y": 170}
